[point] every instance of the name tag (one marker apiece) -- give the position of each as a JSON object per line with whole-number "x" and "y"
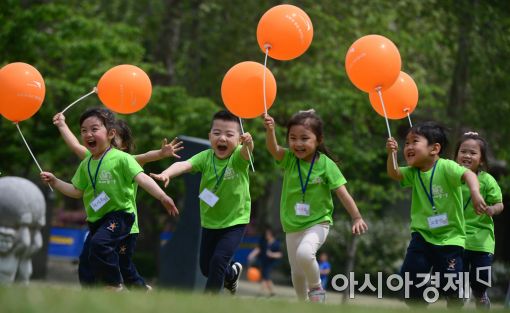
{"x": 99, "y": 201}
{"x": 437, "y": 221}
{"x": 302, "y": 209}
{"x": 208, "y": 197}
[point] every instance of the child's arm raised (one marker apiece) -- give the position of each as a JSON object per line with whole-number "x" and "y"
{"x": 154, "y": 190}
{"x": 391, "y": 149}
{"x": 474, "y": 187}
{"x": 65, "y": 188}
{"x": 70, "y": 139}
{"x": 167, "y": 150}
{"x": 272, "y": 145}
{"x": 358, "y": 224}
{"x": 247, "y": 147}
{"x": 174, "y": 170}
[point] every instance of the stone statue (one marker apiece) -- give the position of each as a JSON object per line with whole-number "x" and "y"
{"x": 22, "y": 215}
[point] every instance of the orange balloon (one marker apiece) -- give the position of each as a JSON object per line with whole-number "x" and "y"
{"x": 22, "y": 91}
{"x": 372, "y": 61}
{"x": 242, "y": 89}
{"x": 287, "y": 29}
{"x": 253, "y": 274}
{"x": 124, "y": 89}
{"x": 399, "y": 100}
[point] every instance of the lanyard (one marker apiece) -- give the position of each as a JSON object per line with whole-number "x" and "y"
{"x": 467, "y": 203}
{"x": 94, "y": 181}
{"x": 303, "y": 187}
{"x": 429, "y": 196}
{"x": 220, "y": 178}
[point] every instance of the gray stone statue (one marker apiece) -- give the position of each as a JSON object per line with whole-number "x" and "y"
{"x": 22, "y": 215}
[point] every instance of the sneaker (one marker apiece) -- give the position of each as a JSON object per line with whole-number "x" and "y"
{"x": 148, "y": 288}
{"x": 232, "y": 285}
{"x": 117, "y": 288}
{"x": 317, "y": 295}
{"x": 484, "y": 302}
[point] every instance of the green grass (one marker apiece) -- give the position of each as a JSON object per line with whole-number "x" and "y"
{"x": 69, "y": 299}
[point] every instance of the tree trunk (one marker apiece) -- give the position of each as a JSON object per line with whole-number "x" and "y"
{"x": 351, "y": 260}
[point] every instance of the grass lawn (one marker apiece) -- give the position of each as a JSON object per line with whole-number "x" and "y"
{"x": 48, "y": 298}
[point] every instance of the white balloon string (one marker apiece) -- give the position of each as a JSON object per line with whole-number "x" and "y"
{"x": 408, "y": 117}
{"x": 28, "y": 147}
{"x": 378, "y": 89}
{"x": 249, "y": 153}
{"x": 264, "y": 78}
{"x": 81, "y": 98}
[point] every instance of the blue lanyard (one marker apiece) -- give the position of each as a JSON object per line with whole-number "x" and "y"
{"x": 94, "y": 181}
{"x": 467, "y": 203}
{"x": 303, "y": 187}
{"x": 220, "y": 178}
{"x": 429, "y": 196}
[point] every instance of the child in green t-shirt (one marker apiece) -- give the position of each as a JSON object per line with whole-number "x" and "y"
{"x": 105, "y": 182}
{"x": 306, "y": 206}
{"x": 437, "y": 217}
{"x": 225, "y": 198}
{"x": 471, "y": 152}
{"x": 123, "y": 141}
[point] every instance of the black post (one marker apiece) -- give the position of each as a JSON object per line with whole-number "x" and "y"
{"x": 179, "y": 267}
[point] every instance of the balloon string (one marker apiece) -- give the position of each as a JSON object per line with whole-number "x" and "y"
{"x": 393, "y": 155}
{"x": 28, "y": 147}
{"x": 249, "y": 153}
{"x": 408, "y": 117}
{"x": 81, "y": 98}
{"x": 267, "y": 46}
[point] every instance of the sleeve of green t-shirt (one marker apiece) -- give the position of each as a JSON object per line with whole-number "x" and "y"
{"x": 407, "y": 173}
{"x": 492, "y": 191}
{"x": 131, "y": 167}
{"x": 237, "y": 159}
{"x": 198, "y": 161}
{"x": 80, "y": 179}
{"x": 334, "y": 176}
{"x": 454, "y": 172}
{"x": 285, "y": 161}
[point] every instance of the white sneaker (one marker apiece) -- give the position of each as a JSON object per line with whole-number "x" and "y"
{"x": 317, "y": 295}
{"x": 232, "y": 285}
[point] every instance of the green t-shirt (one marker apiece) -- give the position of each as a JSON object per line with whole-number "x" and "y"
{"x": 480, "y": 228}
{"x": 234, "y": 204}
{"x": 324, "y": 178}
{"x": 447, "y": 194}
{"x": 134, "y": 229}
{"x": 116, "y": 176}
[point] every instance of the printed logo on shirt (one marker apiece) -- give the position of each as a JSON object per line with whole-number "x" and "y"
{"x": 317, "y": 181}
{"x": 229, "y": 174}
{"x": 106, "y": 177}
{"x": 438, "y": 192}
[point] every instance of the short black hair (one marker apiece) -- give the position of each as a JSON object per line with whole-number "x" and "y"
{"x": 433, "y": 132}
{"x": 225, "y": 115}
{"x": 125, "y": 134}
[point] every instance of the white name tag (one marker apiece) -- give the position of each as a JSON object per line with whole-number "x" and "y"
{"x": 436, "y": 221}
{"x": 99, "y": 201}
{"x": 302, "y": 209}
{"x": 208, "y": 197}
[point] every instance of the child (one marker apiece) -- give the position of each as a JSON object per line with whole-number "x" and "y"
{"x": 325, "y": 269}
{"x": 306, "y": 206}
{"x": 471, "y": 152}
{"x": 225, "y": 198}
{"x": 105, "y": 181}
{"x": 123, "y": 141}
{"x": 437, "y": 219}
{"x": 268, "y": 253}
